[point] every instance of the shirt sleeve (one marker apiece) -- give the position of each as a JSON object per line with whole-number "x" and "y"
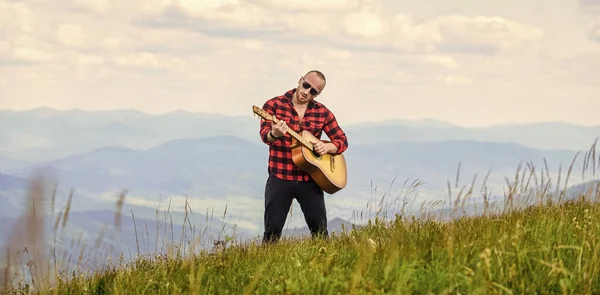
{"x": 335, "y": 133}
{"x": 265, "y": 126}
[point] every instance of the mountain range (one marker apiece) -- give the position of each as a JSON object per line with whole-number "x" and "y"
{"x": 45, "y": 134}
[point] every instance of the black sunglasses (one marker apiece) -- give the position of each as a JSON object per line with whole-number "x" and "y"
{"x": 313, "y": 91}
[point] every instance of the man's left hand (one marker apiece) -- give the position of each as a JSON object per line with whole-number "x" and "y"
{"x": 320, "y": 147}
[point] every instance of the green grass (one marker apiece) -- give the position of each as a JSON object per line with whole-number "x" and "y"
{"x": 546, "y": 248}
{"x": 550, "y": 249}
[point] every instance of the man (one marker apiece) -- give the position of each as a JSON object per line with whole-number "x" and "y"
{"x": 298, "y": 110}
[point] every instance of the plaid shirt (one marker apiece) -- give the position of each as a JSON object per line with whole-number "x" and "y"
{"x": 317, "y": 118}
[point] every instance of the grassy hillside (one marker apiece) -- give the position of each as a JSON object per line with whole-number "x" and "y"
{"x": 547, "y": 247}
{"x": 543, "y": 249}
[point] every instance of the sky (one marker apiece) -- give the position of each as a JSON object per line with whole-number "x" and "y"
{"x": 454, "y": 60}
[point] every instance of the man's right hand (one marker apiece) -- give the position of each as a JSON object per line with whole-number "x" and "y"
{"x": 279, "y": 129}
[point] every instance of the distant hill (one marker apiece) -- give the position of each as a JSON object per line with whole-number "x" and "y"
{"x": 205, "y": 166}
{"x": 227, "y": 165}
{"x": 546, "y": 135}
{"x": 590, "y": 189}
{"x": 8, "y": 182}
{"x": 45, "y": 134}
{"x": 8, "y": 200}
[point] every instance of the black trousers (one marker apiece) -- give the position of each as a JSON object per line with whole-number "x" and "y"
{"x": 279, "y": 194}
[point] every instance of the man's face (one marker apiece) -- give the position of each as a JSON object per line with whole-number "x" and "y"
{"x": 309, "y": 87}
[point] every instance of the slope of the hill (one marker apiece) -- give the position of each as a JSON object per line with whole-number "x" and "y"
{"x": 545, "y": 249}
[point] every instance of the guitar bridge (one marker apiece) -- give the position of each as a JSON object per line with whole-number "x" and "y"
{"x": 332, "y": 163}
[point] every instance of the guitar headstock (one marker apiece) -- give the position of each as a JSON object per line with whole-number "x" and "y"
{"x": 262, "y": 113}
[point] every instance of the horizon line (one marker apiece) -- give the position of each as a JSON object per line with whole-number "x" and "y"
{"x": 451, "y": 124}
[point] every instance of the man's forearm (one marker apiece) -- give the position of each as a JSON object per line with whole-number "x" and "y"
{"x": 331, "y": 148}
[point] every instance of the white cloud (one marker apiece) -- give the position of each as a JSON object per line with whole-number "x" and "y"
{"x": 89, "y": 59}
{"x": 71, "y": 35}
{"x": 487, "y": 33}
{"x": 459, "y": 33}
{"x": 457, "y": 80}
{"x": 589, "y": 6}
{"x": 100, "y": 6}
{"x": 252, "y": 44}
{"x": 410, "y": 35}
{"x": 220, "y": 56}
{"x": 243, "y": 13}
{"x": 29, "y": 54}
{"x": 16, "y": 15}
{"x": 339, "y": 54}
{"x": 593, "y": 30}
{"x": 311, "y": 5}
{"x": 363, "y": 24}
{"x": 146, "y": 60}
{"x": 445, "y": 61}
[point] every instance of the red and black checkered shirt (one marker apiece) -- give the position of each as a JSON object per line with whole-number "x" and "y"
{"x": 317, "y": 118}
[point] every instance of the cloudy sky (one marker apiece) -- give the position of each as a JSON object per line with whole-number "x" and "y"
{"x": 454, "y": 60}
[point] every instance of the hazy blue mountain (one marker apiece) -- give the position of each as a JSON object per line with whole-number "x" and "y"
{"x": 547, "y": 135}
{"x": 204, "y": 166}
{"x": 8, "y": 208}
{"x": 419, "y": 123}
{"x": 43, "y": 134}
{"x": 8, "y": 201}
{"x": 8, "y": 164}
{"x": 437, "y": 161}
{"x": 226, "y": 165}
{"x": 590, "y": 189}
{"x": 8, "y": 182}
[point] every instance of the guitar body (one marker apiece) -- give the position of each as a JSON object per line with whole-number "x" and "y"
{"x": 329, "y": 171}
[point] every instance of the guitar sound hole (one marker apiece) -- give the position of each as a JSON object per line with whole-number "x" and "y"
{"x": 317, "y": 155}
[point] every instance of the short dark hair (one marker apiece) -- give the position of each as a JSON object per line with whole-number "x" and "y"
{"x": 318, "y": 74}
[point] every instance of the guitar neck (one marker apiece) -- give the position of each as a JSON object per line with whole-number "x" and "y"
{"x": 297, "y": 136}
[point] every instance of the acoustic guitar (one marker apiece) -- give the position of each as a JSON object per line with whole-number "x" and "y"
{"x": 328, "y": 171}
